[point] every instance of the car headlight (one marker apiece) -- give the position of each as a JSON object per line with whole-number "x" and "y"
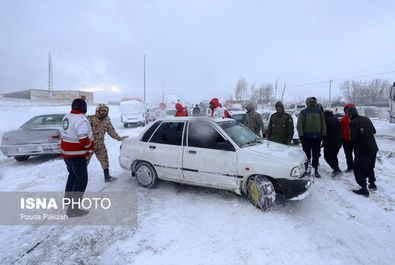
{"x": 298, "y": 170}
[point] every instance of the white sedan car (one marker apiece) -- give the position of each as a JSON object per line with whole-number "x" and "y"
{"x": 217, "y": 153}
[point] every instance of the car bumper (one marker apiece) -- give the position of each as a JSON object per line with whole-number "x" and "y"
{"x": 125, "y": 162}
{"x": 295, "y": 189}
{"x": 30, "y": 149}
{"x": 133, "y": 120}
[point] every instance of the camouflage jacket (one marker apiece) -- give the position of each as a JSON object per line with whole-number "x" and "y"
{"x": 102, "y": 125}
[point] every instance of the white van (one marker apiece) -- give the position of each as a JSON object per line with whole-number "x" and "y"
{"x": 133, "y": 112}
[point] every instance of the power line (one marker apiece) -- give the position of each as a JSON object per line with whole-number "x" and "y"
{"x": 339, "y": 79}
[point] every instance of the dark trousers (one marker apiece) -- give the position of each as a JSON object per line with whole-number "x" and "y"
{"x": 330, "y": 155}
{"x": 78, "y": 174}
{"x": 364, "y": 168}
{"x": 349, "y": 147}
{"x": 311, "y": 147}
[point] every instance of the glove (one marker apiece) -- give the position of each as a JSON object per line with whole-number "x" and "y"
{"x": 124, "y": 137}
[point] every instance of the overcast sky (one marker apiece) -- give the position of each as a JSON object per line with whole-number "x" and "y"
{"x": 200, "y": 48}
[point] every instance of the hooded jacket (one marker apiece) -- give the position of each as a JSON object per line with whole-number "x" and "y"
{"x": 217, "y": 112}
{"x": 254, "y": 121}
{"x": 362, "y": 133}
{"x": 281, "y": 126}
{"x": 181, "y": 111}
{"x": 101, "y": 125}
{"x": 345, "y": 122}
{"x": 311, "y": 121}
{"x": 333, "y": 130}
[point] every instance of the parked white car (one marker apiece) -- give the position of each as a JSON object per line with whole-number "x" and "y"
{"x": 217, "y": 153}
{"x": 133, "y": 112}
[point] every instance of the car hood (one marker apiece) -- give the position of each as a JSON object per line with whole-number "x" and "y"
{"x": 279, "y": 151}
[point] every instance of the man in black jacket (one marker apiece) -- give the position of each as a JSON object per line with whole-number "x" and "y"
{"x": 362, "y": 133}
{"x": 333, "y": 142}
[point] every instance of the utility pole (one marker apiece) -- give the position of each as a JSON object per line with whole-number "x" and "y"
{"x": 144, "y": 78}
{"x": 275, "y": 90}
{"x": 163, "y": 91}
{"x": 50, "y": 75}
{"x": 330, "y": 92}
{"x": 282, "y": 96}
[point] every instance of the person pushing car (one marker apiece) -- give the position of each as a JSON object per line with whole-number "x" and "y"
{"x": 101, "y": 123}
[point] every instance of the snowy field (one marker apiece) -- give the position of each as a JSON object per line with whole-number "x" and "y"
{"x": 180, "y": 224}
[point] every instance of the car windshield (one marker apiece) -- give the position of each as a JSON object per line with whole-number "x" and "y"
{"x": 240, "y": 134}
{"x": 239, "y": 117}
{"x": 44, "y": 121}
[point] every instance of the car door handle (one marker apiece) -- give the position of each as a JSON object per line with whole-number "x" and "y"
{"x": 152, "y": 147}
{"x": 192, "y": 151}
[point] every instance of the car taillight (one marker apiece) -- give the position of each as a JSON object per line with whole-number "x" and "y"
{"x": 55, "y": 137}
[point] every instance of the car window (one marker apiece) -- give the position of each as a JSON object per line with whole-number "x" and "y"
{"x": 168, "y": 133}
{"x": 149, "y": 132}
{"x": 265, "y": 116}
{"x": 240, "y": 118}
{"x": 41, "y": 121}
{"x": 52, "y": 120}
{"x": 240, "y": 134}
{"x": 203, "y": 135}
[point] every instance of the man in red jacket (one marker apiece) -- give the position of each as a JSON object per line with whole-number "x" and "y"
{"x": 181, "y": 111}
{"x": 348, "y": 145}
{"x": 77, "y": 143}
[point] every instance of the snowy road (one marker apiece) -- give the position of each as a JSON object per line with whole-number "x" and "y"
{"x": 180, "y": 224}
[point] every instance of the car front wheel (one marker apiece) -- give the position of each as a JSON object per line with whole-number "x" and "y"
{"x": 146, "y": 175}
{"x": 21, "y": 158}
{"x": 260, "y": 192}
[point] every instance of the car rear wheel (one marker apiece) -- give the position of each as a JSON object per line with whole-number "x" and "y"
{"x": 260, "y": 192}
{"x": 296, "y": 141}
{"x": 21, "y": 158}
{"x": 146, "y": 175}
{"x": 125, "y": 125}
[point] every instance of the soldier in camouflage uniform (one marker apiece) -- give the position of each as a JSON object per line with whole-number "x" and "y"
{"x": 100, "y": 123}
{"x": 281, "y": 126}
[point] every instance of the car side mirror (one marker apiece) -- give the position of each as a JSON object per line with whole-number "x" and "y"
{"x": 225, "y": 146}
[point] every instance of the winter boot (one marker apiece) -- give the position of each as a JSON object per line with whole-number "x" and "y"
{"x": 76, "y": 212}
{"x": 336, "y": 173}
{"x": 372, "y": 186}
{"x": 362, "y": 191}
{"x": 107, "y": 177}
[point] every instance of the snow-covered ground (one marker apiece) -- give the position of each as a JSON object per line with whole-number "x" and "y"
{"x": 180, "y": 224}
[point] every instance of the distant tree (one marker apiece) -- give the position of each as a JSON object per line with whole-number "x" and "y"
{"x": 253, "y": 93}
{"x": 241, "y": 89}
{"x": 366, "y": 92}
{"x": 265, "y": 93}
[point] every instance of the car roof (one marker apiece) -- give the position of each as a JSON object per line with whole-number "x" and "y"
{"x": 47, "y": 115}
{"x": 194, "y": 118}
{"x": 238, "y": 112}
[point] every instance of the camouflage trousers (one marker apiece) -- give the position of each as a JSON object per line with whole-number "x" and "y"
{"x": 100, "y": 151}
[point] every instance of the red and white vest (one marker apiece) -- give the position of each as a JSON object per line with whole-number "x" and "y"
{"x": 77, "y": 137}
